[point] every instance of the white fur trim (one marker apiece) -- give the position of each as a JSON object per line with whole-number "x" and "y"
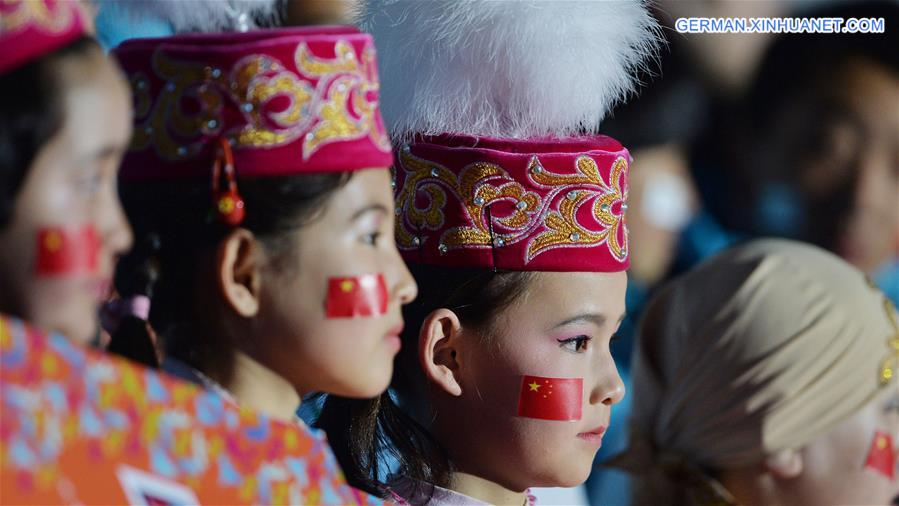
{"x": 510, "y": 68}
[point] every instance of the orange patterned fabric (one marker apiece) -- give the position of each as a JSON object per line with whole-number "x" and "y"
{"x": 77, "y": 426}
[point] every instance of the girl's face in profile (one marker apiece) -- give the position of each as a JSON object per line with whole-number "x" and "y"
{"x": 67, "y": 226}
{"x": 538, "y": 387}
{"x": 335, "y": 305}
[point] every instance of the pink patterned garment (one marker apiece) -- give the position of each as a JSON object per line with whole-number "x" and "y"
{"x": 80, "y": 427}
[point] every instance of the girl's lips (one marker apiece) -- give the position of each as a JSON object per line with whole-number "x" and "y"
{"x": 394, "y": 343}
{"x": 395, "y": 331}
{"x": 593, "y": 436}
{"x": 393, "y": 337}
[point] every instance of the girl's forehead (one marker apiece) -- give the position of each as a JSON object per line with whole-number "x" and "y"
{"x": 554, "y": 299}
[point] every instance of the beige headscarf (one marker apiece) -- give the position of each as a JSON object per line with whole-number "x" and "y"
{"x": 762, "y": 348}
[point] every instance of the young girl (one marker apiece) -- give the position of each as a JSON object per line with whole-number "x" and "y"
{"x": 513, "y": 220}
{"x": 768, "y": 375}
{"x": 78, "y": 426}
{"x": 64, "y": 126}
{"x": 258, "y": 188}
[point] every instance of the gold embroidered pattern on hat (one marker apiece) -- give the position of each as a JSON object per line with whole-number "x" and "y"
{"x": 320, "y": 96}
{"x": 35, "y": 14}
{"x": 563, "y": 224}
{"x": 548, "y": 222}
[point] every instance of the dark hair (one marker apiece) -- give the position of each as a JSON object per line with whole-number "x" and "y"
{"x": 32, "y": 113}
{"x": 360, "y": 431}
{"x": 177, "y": 234}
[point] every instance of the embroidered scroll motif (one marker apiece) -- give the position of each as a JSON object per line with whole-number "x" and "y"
{"x": 319, "y": 100}
{"x": 500, "y": 211}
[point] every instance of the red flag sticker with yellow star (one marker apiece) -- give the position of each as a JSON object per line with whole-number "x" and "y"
{"x": 65, "y": 251}
{"x": 357, "y": 296}
{"x": 551, "y": 398}
{"x": 881, "y": 457}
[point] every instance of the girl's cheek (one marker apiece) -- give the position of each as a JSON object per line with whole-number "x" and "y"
{"x": 881, "y": 455}
{"x": 359, "y": 296}
{"x": 543, "y": 398}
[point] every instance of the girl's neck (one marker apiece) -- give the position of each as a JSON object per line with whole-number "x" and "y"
{"x": 257, "y": 387}
{"x": 485, "y": 490}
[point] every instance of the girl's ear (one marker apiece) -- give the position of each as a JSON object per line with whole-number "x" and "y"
{"x": 239, "y": 272}
{"x": 438, "y": 350}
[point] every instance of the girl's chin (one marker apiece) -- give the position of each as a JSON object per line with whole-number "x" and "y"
{"x": 366, "y": 390}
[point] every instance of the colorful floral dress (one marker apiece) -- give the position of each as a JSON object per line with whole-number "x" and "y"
{"x": 77, "y": 426}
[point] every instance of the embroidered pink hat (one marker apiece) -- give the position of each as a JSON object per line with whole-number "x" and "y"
{"x": 541, "y": 205}
{"x": 495, "y": 104}
{"x": 281, "y": 101}
{"x": 30, "y": 29}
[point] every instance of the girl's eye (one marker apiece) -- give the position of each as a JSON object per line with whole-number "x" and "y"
{"x": 577, "y": 344}
{"x": 371, "y": 239}
{"x": 893, "y": 405}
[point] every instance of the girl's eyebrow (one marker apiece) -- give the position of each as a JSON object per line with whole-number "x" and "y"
{"x": 369, "y": 208}
{"x": 597, "y": 319}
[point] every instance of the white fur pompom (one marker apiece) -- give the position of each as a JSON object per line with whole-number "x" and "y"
{"x": 510, "y": 68}
{"x": 186, "y": 16}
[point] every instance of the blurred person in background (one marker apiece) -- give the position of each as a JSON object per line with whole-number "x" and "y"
{"x": 688, "y": 193}
{"x": 814, "y": 154}
{"x": 63, "y": 130}
{"x": 767, "y": 375}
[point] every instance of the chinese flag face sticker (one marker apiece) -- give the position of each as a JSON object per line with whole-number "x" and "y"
{"x": 66, "y": 251}
{"x": 357, "y": 296}
{"x": 551, "y": 398}
{"x": 881, "y": 457}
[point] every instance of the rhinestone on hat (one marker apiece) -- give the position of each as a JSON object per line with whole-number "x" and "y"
{"x": 442, "y": 249}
